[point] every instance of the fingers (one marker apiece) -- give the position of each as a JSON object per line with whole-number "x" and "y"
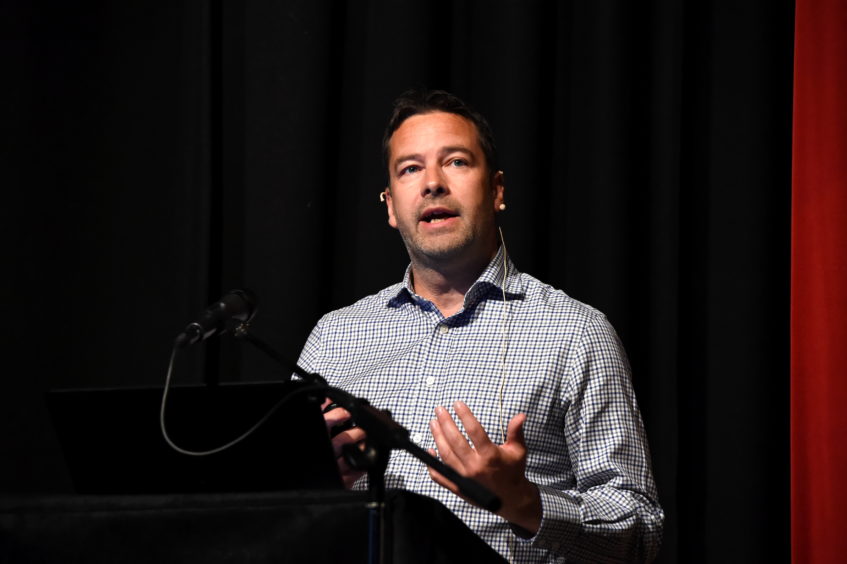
{"x": 454, "y": 448}
{"x": 500, "y": 468}
{"x": 445, "y": 450}
{"x": 477, "y": 434}
{"x": 514, "y": 433}
{"x": 452, "y": 439}
{"x": 439, "y": 479}
{"x": 455, "y": 439}
{"x": 353, "y": 435}
{"x": 348, "y": 474}
{"x": 335, "y": 417}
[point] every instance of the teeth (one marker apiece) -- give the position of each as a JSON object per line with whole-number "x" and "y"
{"x": 435, "y": 218}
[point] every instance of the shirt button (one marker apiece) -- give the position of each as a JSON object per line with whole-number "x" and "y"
{"x": 430, "y": 381}
{"x": 443, "y": 329}
{"x": 417, "y": 437}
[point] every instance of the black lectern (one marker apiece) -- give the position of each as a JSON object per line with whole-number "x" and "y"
{"x": 231, "y": 528}
{"x": 246, "y": 506}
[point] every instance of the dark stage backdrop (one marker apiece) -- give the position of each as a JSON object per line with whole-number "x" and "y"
{"x": 158, "y": 154}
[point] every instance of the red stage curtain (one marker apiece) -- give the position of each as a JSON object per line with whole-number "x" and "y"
{"x": 819, "y": 285}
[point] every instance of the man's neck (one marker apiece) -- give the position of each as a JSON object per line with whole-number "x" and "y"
{"x": 446, "y": 285}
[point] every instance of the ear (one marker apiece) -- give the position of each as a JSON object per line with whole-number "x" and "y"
{"x": 389, "y": 206}
{"x": 498, "y": 187}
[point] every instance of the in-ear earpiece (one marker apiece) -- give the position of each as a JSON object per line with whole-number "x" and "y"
{"x": 502, "y": 207}
{"x": 382, "y": 196}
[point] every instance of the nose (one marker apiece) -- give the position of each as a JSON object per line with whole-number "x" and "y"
{"x": 434, "y": 182}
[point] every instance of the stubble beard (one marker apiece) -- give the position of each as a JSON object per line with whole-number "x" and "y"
{"x": 442, "y": 250}
{"x": 433, "y": 251}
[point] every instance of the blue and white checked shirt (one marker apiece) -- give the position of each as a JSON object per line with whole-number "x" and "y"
{"x": 564, "y": 367}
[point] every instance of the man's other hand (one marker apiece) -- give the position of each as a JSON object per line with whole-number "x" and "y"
{"x": 354, "y": 435}
{"x": 500, "y": 468}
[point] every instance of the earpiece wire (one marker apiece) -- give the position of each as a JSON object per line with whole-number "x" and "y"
{"x": 503, "y": 337}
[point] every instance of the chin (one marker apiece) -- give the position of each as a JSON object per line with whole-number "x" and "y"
{"x": 445, "y": 251}
{"x": 435, "y": 249}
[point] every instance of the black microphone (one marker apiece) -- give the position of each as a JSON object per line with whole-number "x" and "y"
{"x": 238, "y": 305}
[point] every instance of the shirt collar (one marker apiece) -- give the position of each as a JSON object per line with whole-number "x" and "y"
{"x": 489, "y": 283}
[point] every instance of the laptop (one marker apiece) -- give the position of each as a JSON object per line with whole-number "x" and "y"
{"x": 113, "y": 444}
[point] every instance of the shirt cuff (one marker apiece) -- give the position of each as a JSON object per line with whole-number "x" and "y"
{"x": 560, "y": 521}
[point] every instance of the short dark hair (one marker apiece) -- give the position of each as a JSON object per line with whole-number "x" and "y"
{"x": 421, "y": 101}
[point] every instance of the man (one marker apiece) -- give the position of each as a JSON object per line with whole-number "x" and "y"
{"x": 538, "y": 381}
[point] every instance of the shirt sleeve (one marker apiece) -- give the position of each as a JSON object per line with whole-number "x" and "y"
{"x": 310, "y": 355}
{"x": 611, "y": 514}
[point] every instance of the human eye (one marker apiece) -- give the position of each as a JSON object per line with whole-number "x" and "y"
{"x": 457, "y": 162}
{"x": 410, "y": 169}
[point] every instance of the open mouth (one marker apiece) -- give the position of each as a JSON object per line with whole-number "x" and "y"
{"x": 437, "y": 215}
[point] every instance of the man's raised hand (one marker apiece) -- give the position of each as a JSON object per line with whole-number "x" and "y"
{"x": 500, "y": 468}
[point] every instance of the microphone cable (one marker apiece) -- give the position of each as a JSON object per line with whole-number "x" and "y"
{"x": 235, "y": 441}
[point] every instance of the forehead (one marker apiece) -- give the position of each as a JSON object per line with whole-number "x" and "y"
{"x": 422, "y": 133}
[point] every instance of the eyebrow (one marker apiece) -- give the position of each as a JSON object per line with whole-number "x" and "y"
{"x": 457, "y": 149}
{"x": 412, "y": 157}
{"x": 442, "y": 151}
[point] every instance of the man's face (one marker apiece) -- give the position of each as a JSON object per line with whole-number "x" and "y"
{"x": 441, "y": 196}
